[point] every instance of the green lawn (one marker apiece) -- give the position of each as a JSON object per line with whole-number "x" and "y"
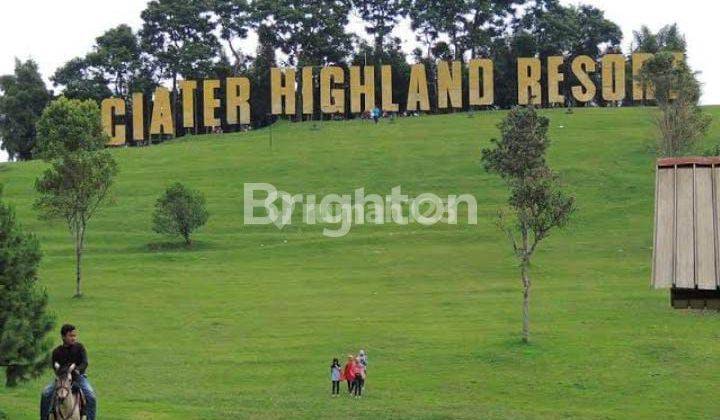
{"x": 245, "y": 324}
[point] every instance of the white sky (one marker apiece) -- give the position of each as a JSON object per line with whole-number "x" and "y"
{"x": 53, "y": 32}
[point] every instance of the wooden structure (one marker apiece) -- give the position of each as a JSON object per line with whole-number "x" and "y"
{"x": 686, "y": 248}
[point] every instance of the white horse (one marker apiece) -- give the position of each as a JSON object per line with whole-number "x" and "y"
{"x": 66, "y": 404}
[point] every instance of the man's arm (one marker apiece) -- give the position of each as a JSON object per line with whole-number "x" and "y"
{"x": 54, "y": 359}
{"x": 83, "y": 362}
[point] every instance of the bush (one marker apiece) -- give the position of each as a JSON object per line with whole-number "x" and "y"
{"x": 179, "y": 212}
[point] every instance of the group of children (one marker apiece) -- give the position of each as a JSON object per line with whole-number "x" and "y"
{"x": 354, "y": 372}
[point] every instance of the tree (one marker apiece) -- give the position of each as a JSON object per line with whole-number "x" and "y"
{"x": 432, "y": 18}
{"x": 81, "y": 81}
{"x": 24, "y": 321}
{"x": 380, "y": 18}
{"x": 179, "y": 212}
{"x": 260, "y": 77}
{"x": 681, "y": 122}
{"x": 538, "y": 204}
{"x": 178, "y": 37}
{"x": 234, "y": 19}
{"x": 115, "y": 66}
{"x": 668, "y": 38}
{"x": 568, "y": 30}
{"x": 310, "y": 32}
{"x": 23, "y": 96}
{"x": 67, "y": 126}
{"x": 485, "y": 21}
{"x": 116, "y": 55}
{"x": 81, "y": 172}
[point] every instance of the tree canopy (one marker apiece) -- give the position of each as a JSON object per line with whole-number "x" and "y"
{"x": 23, "y": 97}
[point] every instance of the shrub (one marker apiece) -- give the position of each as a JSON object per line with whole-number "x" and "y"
{"x": 179, "y": 212}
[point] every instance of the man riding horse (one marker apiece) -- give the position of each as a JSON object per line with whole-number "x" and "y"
{"x": 70, "y": 355}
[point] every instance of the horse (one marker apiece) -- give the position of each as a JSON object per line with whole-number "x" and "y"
{"x": 66, "y": 404}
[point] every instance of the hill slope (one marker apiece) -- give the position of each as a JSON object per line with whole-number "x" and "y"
{"x": 246, "y": 323}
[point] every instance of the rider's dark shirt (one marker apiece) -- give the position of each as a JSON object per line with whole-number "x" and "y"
{"x": 66, "y": 355}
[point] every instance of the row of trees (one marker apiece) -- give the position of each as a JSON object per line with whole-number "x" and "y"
{"x": 195, "y": 39}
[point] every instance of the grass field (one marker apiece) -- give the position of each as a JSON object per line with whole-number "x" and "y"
{"x": 246, "y": 323}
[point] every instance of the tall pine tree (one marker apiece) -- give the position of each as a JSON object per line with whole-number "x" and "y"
{"x": 24, "y": 321}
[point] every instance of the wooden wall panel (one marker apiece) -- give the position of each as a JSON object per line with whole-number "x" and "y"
{"x": 684, "y": 231}
{"x": 716, "y": 218}
{"x": 663, "y": 251}
{"x": 704, "y": 229}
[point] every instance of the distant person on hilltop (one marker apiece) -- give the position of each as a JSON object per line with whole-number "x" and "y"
{"x": 68, "y": 353}
{"x": 376, "y": 114}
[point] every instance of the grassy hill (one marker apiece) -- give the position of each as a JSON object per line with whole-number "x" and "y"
{"x": 247, "y": 322}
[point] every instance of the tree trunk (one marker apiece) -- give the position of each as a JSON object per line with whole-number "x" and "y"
{"x": 238, "y": 58}
{"x": 526, "y": 303}
{"x": 78, "y": 260}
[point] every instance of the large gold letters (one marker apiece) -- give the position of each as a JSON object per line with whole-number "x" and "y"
{"x": 449, "y": 84}
{"x": 418, "y": 89}
{"x": 280, "y": 90}
{"x": 529, "y": 90}
{"x": 331, "y": 100}
{"x": 113, "y": 107}
{"x": 162, "y": 119}
{"x": 487, "y": 96}
{"x": 581, "y": 66}
{"x": 613, "y": 77}
{"x": 238, "y": 97}
{"x": 359, "y": 89}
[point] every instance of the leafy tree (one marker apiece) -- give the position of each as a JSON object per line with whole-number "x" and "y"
{"x": 179, "y": 212}
{"x": 538, "y": 204}
{"x": 234, "y": 19}
{"x": 568, "y": 30}
{"x": 116, "y": 55}
{"x": 422, "y": 20}
{"x": 380, "y": 18}
{"x": 179, "y": 39}
{"x": 81, "y": 81}
{"x": 81, "y": 172}
{"x": 681, "y": 122}
{"x": 485, "y": 21}
{"x": 23, "y": 96}
{"x": 68, "y": 126}
{"x": 24, "y": 321}
{"x": 668, "y": 38}
{"x": 310, "y": 32}
{"x": 115, "y": 66}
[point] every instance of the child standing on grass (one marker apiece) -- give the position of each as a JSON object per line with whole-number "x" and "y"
{"x": 335, "y": 376}
{"x": 359, "y": 378}
{"x": 348, "y": 373}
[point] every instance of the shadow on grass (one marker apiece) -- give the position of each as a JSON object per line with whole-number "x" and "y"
{"x": 178, "y": 246}
{"x": 508, "y": 351}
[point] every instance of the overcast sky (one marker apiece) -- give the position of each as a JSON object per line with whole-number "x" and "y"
{"x": 52, "y": 32}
